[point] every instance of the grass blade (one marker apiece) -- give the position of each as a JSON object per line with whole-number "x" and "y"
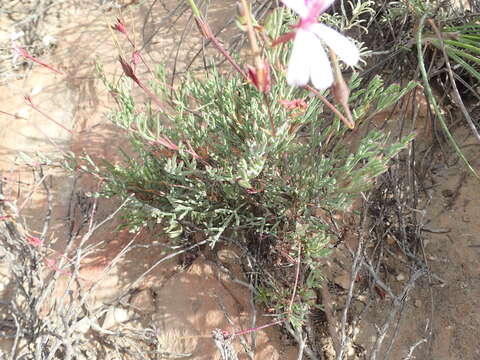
{"x": 433, "y": 101}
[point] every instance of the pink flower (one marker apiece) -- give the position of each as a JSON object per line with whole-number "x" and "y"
{"x": 309, "y": 61}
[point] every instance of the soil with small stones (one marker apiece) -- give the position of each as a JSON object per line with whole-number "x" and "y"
{"x": 191, "y": 302}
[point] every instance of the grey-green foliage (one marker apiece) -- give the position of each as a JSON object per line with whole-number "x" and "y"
{"x": 225, "y": 159}
{"x": 248, "y": 176}
{"x": 231, "y": 171}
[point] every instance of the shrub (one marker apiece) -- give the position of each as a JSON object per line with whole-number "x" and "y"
{"x": 261, "y": 170}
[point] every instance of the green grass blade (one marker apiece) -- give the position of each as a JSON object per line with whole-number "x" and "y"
{"x": 465, "y": 65}
{"x": 475, "y": 43}
{"x": 433, "y": 101}
{"x": 471, "y": 27}
{"x": 470, "y": 37}
{"x": 456, "y": 55}
{"x": 460, "y": 53}
{"x": 463, "y": 45}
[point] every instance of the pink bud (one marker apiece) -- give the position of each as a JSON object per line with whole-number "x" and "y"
{"x": 136, "y": 57}
{"x": 260, "y": 77}
{"x": 128, "y": 70}
{"x": 120, "y": 26}
{"x": 283, "y": 38}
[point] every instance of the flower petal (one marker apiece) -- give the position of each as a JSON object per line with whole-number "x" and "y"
{"x": 298, "y": 6}
{"x": 341, "y": 45}
{"x": 321, "y": 70}
{"x": 299, "y": 66}
{"x": 319, "y": 6}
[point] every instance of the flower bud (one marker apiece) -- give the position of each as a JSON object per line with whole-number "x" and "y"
{"x": 260, "y": 76}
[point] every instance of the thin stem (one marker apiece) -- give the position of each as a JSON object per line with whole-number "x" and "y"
{"x": 341, "y": 91}
{"x": 12, "y": 115}
{"x": 270, "y": 116}
{"x": 297, "y": 275}
{"x": 250, "y": 31}
{"x": 247, "y": 331}
{"x": 35, "y": 107}
{"x": 256, "y": 52}
{"x": 194, "y": 8}
{"x": 207, "y": 33}
{"x": 329, "y": 104}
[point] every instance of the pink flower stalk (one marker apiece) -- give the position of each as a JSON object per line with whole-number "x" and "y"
{"x": 130, "y": 72}
{"x": 309, "y": 61}
{"x": 29, "y": 101}
{"x": 22, "y": 52}
{"x": 169, "y": 144}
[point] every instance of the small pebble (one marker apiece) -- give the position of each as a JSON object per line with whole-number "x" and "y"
{"x": 115, "y": 316}
{"x": 37, "y": 89}
{"x": 48, "y": 40}
{"x": 83, "y": 325}
{"x": 23, "y": 113}
{"x": 16, "y": 35}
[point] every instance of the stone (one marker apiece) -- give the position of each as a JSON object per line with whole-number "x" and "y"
{"x": 116, "y": 316}
{"x": 343, "y": 280}
{"x": 83, "y": 325}
{"x": 227, "y": 256}
{"x": 143, "y": 301}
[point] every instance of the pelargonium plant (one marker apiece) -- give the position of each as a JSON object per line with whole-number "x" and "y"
{"x": 247, "y": 159}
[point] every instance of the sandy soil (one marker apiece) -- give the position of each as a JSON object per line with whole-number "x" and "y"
{"x": 443, "y": 308}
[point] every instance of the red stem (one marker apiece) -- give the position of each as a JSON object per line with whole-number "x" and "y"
{"x": 247, "y": 331}
{"x": 331, "y": 106}
{"x": 207, "y": 33}
{"x": 29, "y": 102}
